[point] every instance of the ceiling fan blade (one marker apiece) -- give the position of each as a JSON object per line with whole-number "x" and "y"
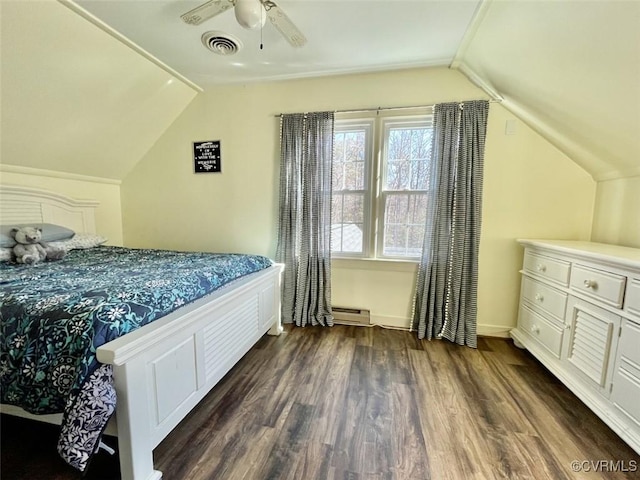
{"x": 206, "y": 11}
{"x": 284, "y": 25}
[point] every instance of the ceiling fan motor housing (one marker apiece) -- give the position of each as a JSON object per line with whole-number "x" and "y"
{"x": 250, "y": 13}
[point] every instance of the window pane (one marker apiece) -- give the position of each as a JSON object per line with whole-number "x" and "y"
{"x": 336, "y": 208}
{"x": 354, "y": 176}
{"x": 408, "y": 155}
{"x": 347, "y": 222}
{"x": 354, "y": 146}
{"x": 338, "y": 147}
{"x": 417, "y": 209}
{"x": 349, "y": 185}
{"x": 421, "y": 172}
{"x": 337, "y": 179}
{"x": 398, "y": 175}
{"x": 347, "y": 238}
{"x": 396, "y": 209}
{"x": 353, "y": 208}
{"x": 337, "y": 176}
{"x": 415, "y": 237}
{"x": 399, "y": 144}
{"x": 404, "y": 220}
{"x": 348, "y": 160}
{"x": 395, "y": 240}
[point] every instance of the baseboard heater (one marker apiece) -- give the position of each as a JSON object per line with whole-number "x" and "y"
{"x": 351, "y": 316}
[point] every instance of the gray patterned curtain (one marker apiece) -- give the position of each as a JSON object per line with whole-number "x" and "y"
{"x": 445, "y": 303}
{"x": 304, "y": 233}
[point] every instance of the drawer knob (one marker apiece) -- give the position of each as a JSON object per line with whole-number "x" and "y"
{"x": 535, "y": 329}
{"x": 539, "y": 297}
{"x": 541, "y": 267}
{"x": 590, "y": 284}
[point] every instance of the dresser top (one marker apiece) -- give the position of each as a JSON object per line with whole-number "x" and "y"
{"x": 598, "y": 251}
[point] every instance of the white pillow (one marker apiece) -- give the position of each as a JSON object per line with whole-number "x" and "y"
{"x": 80, "y": 241}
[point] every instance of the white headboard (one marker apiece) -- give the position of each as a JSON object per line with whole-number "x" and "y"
{"x": 31, "y": 205}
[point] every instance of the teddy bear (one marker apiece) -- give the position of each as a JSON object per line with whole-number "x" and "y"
{"x": 30, "y": 249}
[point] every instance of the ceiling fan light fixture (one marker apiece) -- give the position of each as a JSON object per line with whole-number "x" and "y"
{"x": 250, "y": 13}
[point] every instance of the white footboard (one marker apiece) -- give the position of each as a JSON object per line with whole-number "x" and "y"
{"x": 165, "y": 368}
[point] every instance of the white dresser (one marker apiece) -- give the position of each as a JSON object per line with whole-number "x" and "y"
{"x": 580, "y": 316}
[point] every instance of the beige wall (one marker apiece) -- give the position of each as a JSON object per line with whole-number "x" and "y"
{"x": 617, "y": 212}
{"x": 531, "y": 189}
{"x": 108, "y": 213}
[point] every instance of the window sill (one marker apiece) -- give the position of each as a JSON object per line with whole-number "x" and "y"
{"x": 375, "y": 264}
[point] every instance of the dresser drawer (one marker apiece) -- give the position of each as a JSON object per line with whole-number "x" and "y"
{"x": 604, "y": 286}
{"x": 549, "y": 335}
{"x": 547, "y": 267}
{"x": 626, "y": 392}
{"x": 626, "y": 380}
{"x": 632, "y": 297}
{"x": 629, "y": 343}
{"x": 552, "y": 301}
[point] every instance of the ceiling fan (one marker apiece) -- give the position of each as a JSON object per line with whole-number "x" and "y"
{"x": 250, "y": 14}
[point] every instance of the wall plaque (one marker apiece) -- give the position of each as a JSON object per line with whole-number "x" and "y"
{"x": 206, "y": 157}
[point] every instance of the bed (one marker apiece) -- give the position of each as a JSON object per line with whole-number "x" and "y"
{"x": 159, "y": 369}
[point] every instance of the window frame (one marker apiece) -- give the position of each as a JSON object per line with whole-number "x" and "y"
{"x": 386, "y": 124}
{"x": 367, "y": 125}
{"x": 377, "y": 123}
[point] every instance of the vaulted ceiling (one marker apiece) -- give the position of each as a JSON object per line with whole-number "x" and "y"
{"x": 65, "y": 107}
{"x": 343, "y": 36}
{"x": 570, "y": 69}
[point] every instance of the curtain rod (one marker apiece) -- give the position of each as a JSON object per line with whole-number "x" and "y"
{"x": 379, "y": 109}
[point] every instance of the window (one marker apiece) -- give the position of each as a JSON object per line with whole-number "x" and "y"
{"x": 351, "y": 185}
{"x": 379, "y": 200}
{"x": 403, "y": 198}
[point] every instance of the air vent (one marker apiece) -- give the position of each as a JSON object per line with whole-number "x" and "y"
{"x": 221, "y": 43}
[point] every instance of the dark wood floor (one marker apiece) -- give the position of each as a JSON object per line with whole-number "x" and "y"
{"x": 363, "y": 404}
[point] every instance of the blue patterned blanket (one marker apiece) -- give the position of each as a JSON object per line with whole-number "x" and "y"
{"x": 54, "y": 315}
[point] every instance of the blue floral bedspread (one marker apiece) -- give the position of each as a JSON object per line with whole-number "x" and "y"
{"x": 54, "y": 315}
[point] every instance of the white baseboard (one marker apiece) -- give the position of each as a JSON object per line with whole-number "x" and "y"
{"x": 404, "y": 323}
{"x": 494, "y": 331}
{"x": 401, "y": 323}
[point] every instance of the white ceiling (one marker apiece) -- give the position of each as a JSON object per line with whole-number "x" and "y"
{"x": 568, "y": 68}
{"x": 344, "y": 36}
